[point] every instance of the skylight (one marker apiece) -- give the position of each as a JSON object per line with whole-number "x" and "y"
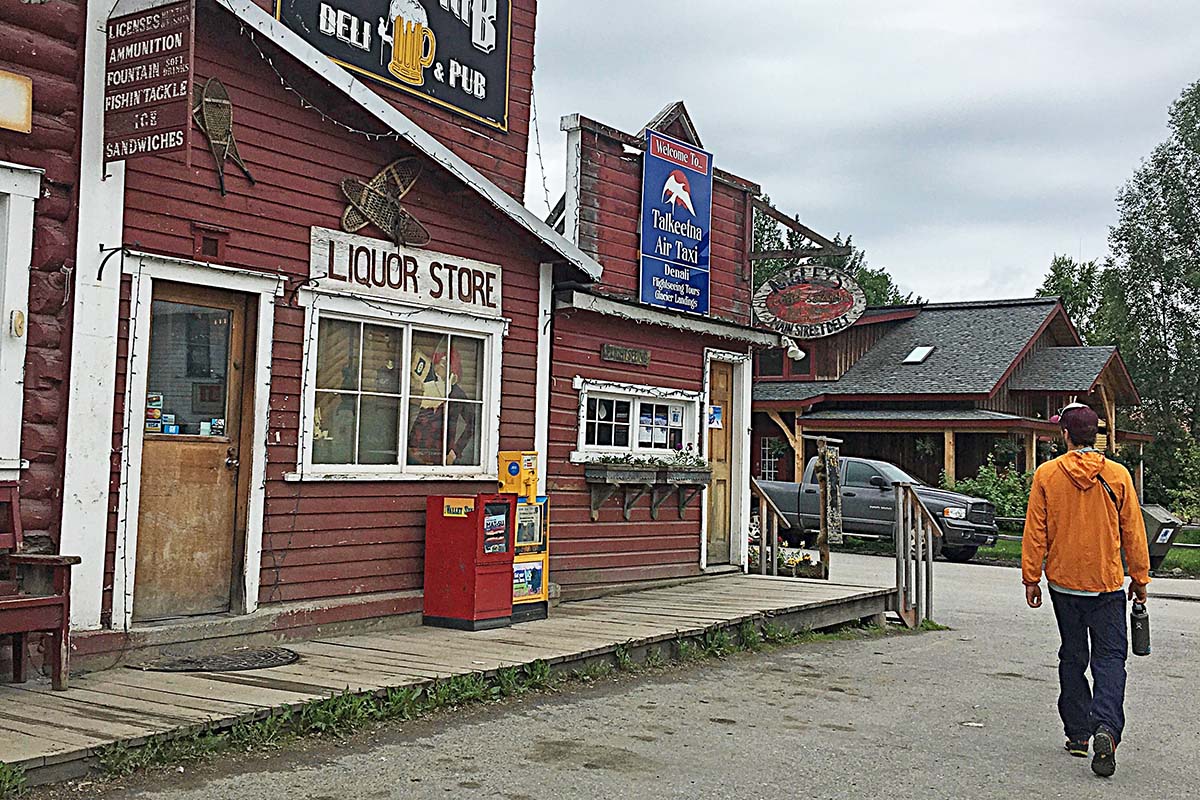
{"x": 919, "y": 354}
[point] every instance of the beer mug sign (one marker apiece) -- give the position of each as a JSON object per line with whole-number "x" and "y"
{"x": 413, "y": 41}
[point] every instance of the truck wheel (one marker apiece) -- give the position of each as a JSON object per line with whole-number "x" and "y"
{"x": 959, "y": 555}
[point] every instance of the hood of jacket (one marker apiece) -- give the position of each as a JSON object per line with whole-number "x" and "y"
{"x": 1082, "y": 467}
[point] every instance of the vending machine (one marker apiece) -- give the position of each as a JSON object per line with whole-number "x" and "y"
{"x": 531, "y": 562}
{"x": 469, "y": 547}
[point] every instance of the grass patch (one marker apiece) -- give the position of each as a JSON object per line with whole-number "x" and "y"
{"x": 931, "y": 625}
{"x": 12, "y": 781}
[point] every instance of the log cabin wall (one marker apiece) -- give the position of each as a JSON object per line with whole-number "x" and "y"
{"x": 610, "y": 192}
{"x": 322, "y": 539}
{"x": 44, "y": 42}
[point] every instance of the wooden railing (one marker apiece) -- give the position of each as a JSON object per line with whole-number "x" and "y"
{"x": 914, "y": 532}
{"x": 770, "y": 518}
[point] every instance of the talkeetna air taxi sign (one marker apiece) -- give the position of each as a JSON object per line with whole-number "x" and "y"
{"x": 454, "y": 53}
{"x": 809, "y": 302}
{"x": 677, "y": 189}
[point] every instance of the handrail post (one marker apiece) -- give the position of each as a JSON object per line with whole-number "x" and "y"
{"x": 774, "y": 546}
{"x": 918, "y": 566}
{"x": 898, "y": 539}
{"x": 929, "y": 572}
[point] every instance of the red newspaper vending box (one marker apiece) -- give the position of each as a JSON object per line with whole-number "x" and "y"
{"x": 469, "y": 561}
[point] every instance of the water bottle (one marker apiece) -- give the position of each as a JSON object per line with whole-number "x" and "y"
{"x": 1139, "y": 626}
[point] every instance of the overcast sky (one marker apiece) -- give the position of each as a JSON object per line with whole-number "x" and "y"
{"x": 961, "y": 142}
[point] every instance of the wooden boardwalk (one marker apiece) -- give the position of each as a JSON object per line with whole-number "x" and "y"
{"x": 52, "y": 734}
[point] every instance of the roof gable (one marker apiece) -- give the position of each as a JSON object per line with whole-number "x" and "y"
{"x": 262, "y": 22}
{"x": 674, "y": 120}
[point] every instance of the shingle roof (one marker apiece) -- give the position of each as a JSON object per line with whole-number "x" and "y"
{"x": 1063, "y": 369}
{"x": 975, "y": 344}
{"x": 915, "y": 415}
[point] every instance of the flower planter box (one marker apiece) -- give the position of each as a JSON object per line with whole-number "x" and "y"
{"x": 636, "y": 480}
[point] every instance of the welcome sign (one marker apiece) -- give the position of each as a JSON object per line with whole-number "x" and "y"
{"x": 677, "y": 188}
{"x": 454, "y": 53}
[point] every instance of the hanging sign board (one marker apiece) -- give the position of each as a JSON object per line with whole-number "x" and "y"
{"x": 677, "y": 187}
{"x": 809, "y": 302}
{"x": 453, "y": 53}
{"x": 148, "y": 79}
{"x": 347, "y": 264}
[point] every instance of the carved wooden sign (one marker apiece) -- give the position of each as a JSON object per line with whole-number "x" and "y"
{"x": 809, "y": 302}
{"x": 625, "y": 355}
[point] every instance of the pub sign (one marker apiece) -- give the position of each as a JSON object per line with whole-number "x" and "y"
{"x": 453, "y": 53}
{"x": 677, "y": 188}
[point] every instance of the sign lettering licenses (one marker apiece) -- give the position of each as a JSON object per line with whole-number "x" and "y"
{"x": 147, "y": 80}
{"x": 453, "y": 53}
{"x": 349, "y": 264}
{"x": 677, "y": 187}
{"x": 809, "y": 302}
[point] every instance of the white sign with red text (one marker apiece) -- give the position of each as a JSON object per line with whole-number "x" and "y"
{"x": 349, "y": 264}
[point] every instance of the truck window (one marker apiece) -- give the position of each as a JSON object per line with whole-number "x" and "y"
{"x": 859, "y": 474}
{"x": 808, "y": 471}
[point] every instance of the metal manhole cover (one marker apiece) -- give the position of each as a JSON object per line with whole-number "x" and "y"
{"x": 236, "y": 661}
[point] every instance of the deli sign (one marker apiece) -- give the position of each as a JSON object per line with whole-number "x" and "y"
{"x": 148, "y": 79}
{"x": 376, "y": 268}
{"x": 453, "y": 53}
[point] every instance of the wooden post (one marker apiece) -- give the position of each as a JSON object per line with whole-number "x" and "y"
{"x": 1110, "y": 419}
{"x": 949, "y": 465}
{"x": 823, "y": 483}
{"x": 1140, "y": 477}
{"x": 1030, "y": 451}
{"x": 798, "y": 449}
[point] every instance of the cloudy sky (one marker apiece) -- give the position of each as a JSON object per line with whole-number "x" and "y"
{"x": 961, "y": 142}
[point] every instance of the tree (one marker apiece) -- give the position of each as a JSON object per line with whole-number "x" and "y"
{"x": 876, "y": 282}
{"x": 1145, "y": 298}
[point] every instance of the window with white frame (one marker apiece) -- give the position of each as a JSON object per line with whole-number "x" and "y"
{"x": 19, "y": 187}
{"x": 399, "y": 398}
{"x": 768, "y": 461}
{"x": 623, "y": 418}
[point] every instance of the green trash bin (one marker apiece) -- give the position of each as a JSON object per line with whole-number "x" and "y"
{"x": 1161, "y": 528}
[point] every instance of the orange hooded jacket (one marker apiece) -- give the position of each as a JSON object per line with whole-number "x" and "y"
{"x": 1074, "y": 526}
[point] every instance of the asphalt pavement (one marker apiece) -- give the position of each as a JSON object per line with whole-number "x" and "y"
{"x": 965, "y": 713}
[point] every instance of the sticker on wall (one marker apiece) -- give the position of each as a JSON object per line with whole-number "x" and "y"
{"x": 377, "y": 202}
{"x": 154, "y": 400}
{"x": 214, "y": 116}
{"x": 715, "y": 417}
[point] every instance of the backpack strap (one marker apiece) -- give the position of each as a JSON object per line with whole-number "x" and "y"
{"x": 1111, "y": 494}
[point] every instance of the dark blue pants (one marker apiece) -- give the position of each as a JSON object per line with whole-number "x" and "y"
{"x": 1102, "y": 621}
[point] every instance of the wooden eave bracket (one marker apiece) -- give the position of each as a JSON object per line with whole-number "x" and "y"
{"x": 787, "y": 431}
{"x": 825, "y": 247}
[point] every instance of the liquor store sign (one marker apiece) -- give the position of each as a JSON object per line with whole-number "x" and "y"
{"x": 453, "y": 53}
{"x": 375, "y": 268}
{"x": 148, "y": 79}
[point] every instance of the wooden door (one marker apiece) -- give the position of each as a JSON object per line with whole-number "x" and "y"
{"x": 720, "y": 455}
{"x": 191, "y": 521}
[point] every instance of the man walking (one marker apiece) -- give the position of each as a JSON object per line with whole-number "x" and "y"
{"x": 1083, "y": 513}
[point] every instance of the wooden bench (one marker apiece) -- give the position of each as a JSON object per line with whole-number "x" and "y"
{"x": 29, "y": 605}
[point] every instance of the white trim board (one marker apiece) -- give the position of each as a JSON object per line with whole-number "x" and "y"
{"x": 262, "y": 22}
{"x": 739, "y": 466}
{"x": 19, "y": 187}
{"x": 635, "y": 312}
{"x": 145, "y": 270}
{"x": 100, "y": 211}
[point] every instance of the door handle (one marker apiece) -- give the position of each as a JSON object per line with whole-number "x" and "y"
{"x": 849, "y": 494}
{"x": 231, "y": 459}
{"x": 810, "y": 491}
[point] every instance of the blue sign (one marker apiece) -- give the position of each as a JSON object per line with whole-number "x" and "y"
{"x": 677, "y": 188}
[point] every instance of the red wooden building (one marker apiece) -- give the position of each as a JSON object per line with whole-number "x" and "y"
{"x": 288, "y": 369}
{"x": 630, "y": 383}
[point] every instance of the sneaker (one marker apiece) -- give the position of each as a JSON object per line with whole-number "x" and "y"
{"x": 1078, "y": 747}
{"x": 1104, "y": 763}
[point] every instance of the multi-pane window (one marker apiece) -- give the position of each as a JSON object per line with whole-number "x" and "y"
{"x": 768, "y": 469}
{"x": 378, "y": 395}
{"x": 608, "y": 422}
{"x": 635, "y": 423}
{"x": 660, "y": 425}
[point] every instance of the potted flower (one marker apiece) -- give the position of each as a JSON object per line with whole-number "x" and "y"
{"x": 686, "y": 467}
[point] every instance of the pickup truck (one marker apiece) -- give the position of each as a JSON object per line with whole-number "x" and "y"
{"x": 868, "y": 506}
